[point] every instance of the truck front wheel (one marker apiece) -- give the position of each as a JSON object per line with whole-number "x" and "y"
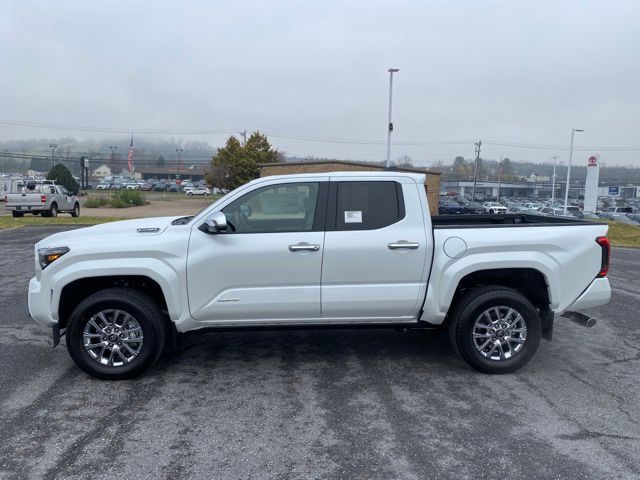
{"x": 76, "y": 210}
{"x": 116, "y": 333}
{"x": 495, "y": 329}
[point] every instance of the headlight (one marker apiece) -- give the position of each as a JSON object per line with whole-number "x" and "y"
{"x": 47, "y": 256}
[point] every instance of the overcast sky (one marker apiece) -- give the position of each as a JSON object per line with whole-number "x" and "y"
{"x": 502, "y": 71}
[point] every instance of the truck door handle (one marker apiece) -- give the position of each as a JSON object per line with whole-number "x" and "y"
{"x": 403, "y": 244}
{"x": 304, "y": 246}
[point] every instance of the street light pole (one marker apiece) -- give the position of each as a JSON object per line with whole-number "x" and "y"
{"x": 553, "y": 180}
{"x": 475, "y": 170}
{"x": 499, "y": 179}
{"x": 179, "y": 150}
{"x": 390, "y": 127}
{"x": 566, "y": 193}
{"x": 113, "y": 160}
{"x": 53, "y": 147}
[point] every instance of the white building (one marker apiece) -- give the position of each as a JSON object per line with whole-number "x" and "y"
{"x": 102, "y": 171}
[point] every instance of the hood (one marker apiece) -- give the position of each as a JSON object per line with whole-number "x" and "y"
{"x": 139, "y": 227}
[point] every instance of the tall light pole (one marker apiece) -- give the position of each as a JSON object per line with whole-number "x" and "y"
{"x": 113, "y": 159}
{"x": 391, "y": 72}
{"x": 499, "y": 178}
{"x": 566, "y": 193}
{"x": 475, "y": 170}
{"x": 53, "y": 147}
{"x": 179, "y": 152}
{"x": 553, "y": 180}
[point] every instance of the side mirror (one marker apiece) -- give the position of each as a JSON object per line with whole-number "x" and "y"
{"x": 215, "y": 224}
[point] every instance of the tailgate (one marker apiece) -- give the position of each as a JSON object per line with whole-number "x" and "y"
{"x": 26, "y": 202}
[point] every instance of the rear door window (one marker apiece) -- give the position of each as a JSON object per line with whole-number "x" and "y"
{"x": 368, "y": 205}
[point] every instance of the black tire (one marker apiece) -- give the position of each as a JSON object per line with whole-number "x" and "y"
{"x": 76, "y": 210}
{"x": 469, "y": 308}
{"x": 17, "y": 214}
{"x": 491, "y": 211}
{"x": 139, "y": 305}
{"x": 53, "y": 211}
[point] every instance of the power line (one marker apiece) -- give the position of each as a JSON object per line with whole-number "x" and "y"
{"x": 313, "y": 139}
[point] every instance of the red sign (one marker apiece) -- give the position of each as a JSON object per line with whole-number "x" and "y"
{"x": 593, "y": 161}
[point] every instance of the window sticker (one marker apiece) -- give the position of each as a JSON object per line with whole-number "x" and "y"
{"x": 353, "y": 216}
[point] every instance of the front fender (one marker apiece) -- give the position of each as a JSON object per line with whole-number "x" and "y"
{"x": 163, "y": 274}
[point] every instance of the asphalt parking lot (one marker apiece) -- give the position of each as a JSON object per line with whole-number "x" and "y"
{"x": 322, "y": 404}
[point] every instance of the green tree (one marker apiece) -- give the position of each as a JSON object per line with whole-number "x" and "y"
{"x": 161, "y": 162}
{"x": 236, "y": 164}
{"x": 460, "y": 167}
{"x": 62, "y": 176}
{"x": 508, "y": 172}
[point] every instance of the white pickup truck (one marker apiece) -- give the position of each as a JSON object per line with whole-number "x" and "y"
{"x": 47, "y": 198}
{"x": 357, "y": 249}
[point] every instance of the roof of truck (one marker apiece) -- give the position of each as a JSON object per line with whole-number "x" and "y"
{"x": 417, "y": 177}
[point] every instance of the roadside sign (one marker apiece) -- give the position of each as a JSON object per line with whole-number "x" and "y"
{"x": 593, "y": 161}
{"x": 614, "y": 191}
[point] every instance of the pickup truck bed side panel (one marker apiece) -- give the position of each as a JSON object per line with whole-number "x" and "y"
{"x": 567, "y": 256}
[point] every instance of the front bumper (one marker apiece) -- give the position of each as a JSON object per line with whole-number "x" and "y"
{"x": 40, "y": 304}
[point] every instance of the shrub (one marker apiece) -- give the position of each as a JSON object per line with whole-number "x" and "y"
{"x": 128, "y": 197}
{"x": 96, "y": 202}
{"x": 118, "y": 203}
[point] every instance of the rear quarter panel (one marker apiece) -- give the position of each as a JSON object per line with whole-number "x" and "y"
{"x": 567, "y": 256}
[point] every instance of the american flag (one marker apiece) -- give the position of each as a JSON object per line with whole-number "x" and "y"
{"x": 130, "y": 156}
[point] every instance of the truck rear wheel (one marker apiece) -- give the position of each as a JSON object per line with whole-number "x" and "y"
{"x": 17, "y": 214}
{"x": 53, "y": 211}
{"x": 116, "y": 334}
{"x": 495, "y": 329}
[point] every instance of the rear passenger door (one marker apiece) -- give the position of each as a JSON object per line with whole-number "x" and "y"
{"x": 375, "y": 251}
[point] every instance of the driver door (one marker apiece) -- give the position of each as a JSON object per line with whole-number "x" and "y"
{"x": 266, "y": 266}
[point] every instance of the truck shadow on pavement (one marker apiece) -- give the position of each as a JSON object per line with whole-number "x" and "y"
{"x": 303, "y": 348}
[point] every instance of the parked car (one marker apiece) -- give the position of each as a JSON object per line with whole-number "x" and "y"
{"x": 494, "y": 207}
{"x": 199, "y": 191}
{"x": 474, "y": 207}
{"x": 449, "y": 207}
{"x": 273, "y": 252}
{"x": 172, "y": 187}
{"x": 47, "y": 199}
{"x": 104, "y": 186}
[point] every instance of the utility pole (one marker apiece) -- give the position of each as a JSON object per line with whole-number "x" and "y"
{"x": 390, "y": 128}
{"x": 477, "y": 144}
{"x": 553, "y": 180}
{"x": 113, "y": 159}
{"x": 53, "y": 147}
{"x": 243, "y": 133}
{"x": 179, "y": 151}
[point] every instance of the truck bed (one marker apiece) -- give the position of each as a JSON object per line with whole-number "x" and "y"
{"x": 507, "y": 220}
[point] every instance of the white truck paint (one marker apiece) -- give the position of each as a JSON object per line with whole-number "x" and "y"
{"x": 410, "y": 272}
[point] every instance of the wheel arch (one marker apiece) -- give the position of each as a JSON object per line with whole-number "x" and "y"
{"x": 77, "y": 290}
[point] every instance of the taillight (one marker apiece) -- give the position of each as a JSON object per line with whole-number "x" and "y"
{"x": 43, "y": 198}
{"x": 605, "y": 244}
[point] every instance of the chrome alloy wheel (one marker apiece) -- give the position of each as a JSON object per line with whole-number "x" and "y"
{"x": 112, "y": 338}
{"x": 499, "y": 333}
